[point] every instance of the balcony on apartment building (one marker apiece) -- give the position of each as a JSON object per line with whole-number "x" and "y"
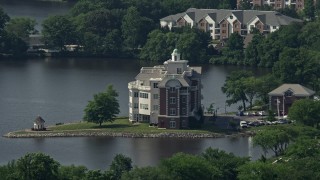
{"x": 135, "y": 85}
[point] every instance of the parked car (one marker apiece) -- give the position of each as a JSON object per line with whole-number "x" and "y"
{"x": 262, "y": 113}
{"x": 254, "y": 123}
{"x": 240, "y": 113}
{"x": 243, "y": 124}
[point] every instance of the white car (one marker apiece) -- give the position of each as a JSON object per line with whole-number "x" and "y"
{"x": 243, "y": 124}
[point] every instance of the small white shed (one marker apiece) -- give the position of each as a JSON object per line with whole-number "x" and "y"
{"x": 38, "y": 124}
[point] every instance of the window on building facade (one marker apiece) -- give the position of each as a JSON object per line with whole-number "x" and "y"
{"x": 224, "y": 31}
{"x": 274, "y": 27}
{"x": 179, "y": 71}
{"x": 172, "y": 100}
{"x": 172, "y": 89}
{"x": 172, "y": 111}
{"x": 210, "y": 25}
{"x": 231, "y": 17}
{"x": 184, "y": 99}
{"x": 135, "y": 94}
{"x": 144, "y": 95}
{"x": 184, "y": 111}
{"x": 201, "y": 24}
{"x": 155, "y": 96}
{"x": 144, "y": 106}
{"x": 184, "y": 123}
{"x": 172, "y": 124}
{"x": 155, "y": 85}
{"x": 135, "y": 105}
{"x": 155, "y": 108}
{"x": 224, "y": 25}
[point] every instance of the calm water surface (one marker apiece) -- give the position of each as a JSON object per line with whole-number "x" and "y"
{"x": 58, "y": 89}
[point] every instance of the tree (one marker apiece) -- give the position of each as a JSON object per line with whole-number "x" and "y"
{"x": 132, "y": 28}
{"x": 262, "y": 171}
{"x": 4, "y": 18}
{"x": 227, "y": 163}
{"x": 309, "y": 10}
{"x": 297, "y": 66}
{"x": 37, "y": 166}
{"x": 103, "y": 107}
{"x": 234, "y": 87}
{"x": 183, "y": 166}
{"x": 252, "y": 57}
{"x": 306, "y": 111}
{"x": 233, "y": 52}
{"x": 275, "y": 139}
{"x": 119, "y": 166}
{"x": 145, "y": 173}
{"x": 59, "y": 31}
{"x": 72, "y": 172}
{"x": 245, "y": 4}
{"x": 21, "y": 27}
{"x": 251, "y": 90}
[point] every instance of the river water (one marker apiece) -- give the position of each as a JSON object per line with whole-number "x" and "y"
{"x": 58, "y": 89}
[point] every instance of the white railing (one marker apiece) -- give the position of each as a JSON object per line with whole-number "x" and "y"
{"x": 134, "y": 85}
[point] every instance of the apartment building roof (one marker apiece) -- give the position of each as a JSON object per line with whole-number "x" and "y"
{"x": 297, "y": 89}
{"x": 272, "y": 18}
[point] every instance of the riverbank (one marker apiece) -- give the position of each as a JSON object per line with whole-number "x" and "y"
{"x": 123, "y": 128}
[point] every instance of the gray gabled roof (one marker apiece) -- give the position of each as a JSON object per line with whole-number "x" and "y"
{"x": 39, "y": 120}
{"x": 297, "y": 89}
{"x": 271, "y": 18}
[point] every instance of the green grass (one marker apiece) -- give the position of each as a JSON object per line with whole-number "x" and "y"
{"x": 122, "y": 125}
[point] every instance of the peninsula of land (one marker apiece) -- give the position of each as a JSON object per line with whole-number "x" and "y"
{"x": 123, "y": 128}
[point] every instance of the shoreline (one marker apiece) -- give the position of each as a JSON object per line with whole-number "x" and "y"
{"x": 96, "y": 133}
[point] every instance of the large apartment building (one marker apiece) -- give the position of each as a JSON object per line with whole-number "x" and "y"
{"x": 167, "y": 95}
{"x": 221, "y": 23}
{"x": 277, "y": 4}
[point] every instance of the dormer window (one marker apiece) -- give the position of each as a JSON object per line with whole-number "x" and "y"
{"x": 288, "y": 93}
{"x": 231, "y": 17}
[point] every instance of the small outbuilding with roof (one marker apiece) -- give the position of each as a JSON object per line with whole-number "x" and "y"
{"x": 281, "y": 98}
{"x": 38, "y": 124}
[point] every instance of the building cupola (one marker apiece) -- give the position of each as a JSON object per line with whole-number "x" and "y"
{"x": 175, "y": 56}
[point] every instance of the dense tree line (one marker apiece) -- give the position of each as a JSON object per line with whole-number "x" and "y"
{"x": 292, "y": 52}
{"x": 295, "y": 149}
{"x": 14, "y": 33}
{"x": 120, "y": 28}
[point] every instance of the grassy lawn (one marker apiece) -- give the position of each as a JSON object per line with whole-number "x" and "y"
{"x": 122, "y": 125}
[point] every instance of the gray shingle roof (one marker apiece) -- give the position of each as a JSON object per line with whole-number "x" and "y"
{"x": 271, "y": 18}
{"x": 297, "y": 89}
{"x": 39, "y": 120}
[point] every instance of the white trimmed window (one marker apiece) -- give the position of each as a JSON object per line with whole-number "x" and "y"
{"x": 155, "y": 107}
{"x": 172, "y": 111}
{"x": 172, "y": 124}
{"x": 155, "y": 96}
{"x": 144, "y": 106}
{"x": 135, "y": 105}
{"x": 172, "y": 89}
{"x": 135, "y": 94}
{"x": 144, "y": 95}
{"x": 155, "y": 85}
{"x": 184, "y": 111}
{"x": 172, "y": 100}
{"x": 184, "y": 99}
